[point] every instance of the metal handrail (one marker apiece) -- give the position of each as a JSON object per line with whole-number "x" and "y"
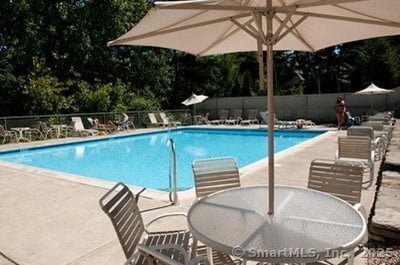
{"x": 174, "y": 191}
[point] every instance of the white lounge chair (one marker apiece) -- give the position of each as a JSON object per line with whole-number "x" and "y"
{"x": 223, "y": 116}
{"x": 357, "y": 148}
{"x": 251, "y": 118}
{"x": 154, "y": 122}
{"x": 139, "y": 245}
{"x": 77, "y": 126}
{"x": 236, "y": 117}
{"x": 169, "y": 121}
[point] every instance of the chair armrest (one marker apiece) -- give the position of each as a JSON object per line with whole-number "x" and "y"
{"x": 164, "y": 216}
{"x": 154, "y": 251}
{"x": 359, "y": 207}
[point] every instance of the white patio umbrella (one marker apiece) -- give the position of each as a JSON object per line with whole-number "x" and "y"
{"x": 372, "y": 89}
{"x": 193, "y": 100}
{"x": 209, "y": 27}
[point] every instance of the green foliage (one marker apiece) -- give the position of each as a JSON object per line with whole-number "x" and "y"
{"x": 54, "y": 58}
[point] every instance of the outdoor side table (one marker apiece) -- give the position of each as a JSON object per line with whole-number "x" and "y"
{"x": 307, "y": 225}
{"x": 20, "y": 131}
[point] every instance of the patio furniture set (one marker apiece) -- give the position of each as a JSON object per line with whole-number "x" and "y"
{"x": 229, "y": 223}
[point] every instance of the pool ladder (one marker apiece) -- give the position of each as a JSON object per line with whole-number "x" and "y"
{"x": 173, "y": 195}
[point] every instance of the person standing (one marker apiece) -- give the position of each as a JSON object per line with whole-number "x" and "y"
{"x": 340, "y": 109}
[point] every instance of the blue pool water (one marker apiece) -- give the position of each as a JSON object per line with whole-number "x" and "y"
{"x": 144, "y": 160}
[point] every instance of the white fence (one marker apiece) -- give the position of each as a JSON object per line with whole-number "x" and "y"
{"x": 318, "y": 107}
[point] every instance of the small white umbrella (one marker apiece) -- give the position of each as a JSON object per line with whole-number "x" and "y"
{"x": 193, "y": 100}
{"x": 372, "y": 89}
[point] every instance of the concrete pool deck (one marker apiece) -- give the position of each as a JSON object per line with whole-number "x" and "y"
{"x": 55, "y": 220}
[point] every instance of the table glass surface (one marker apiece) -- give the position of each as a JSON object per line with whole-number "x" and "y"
{"x": 306, "y": 226}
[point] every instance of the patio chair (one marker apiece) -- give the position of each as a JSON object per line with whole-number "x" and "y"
{"x": 139, "y": 245}
{"x": 380, "y": 130}
{"x": 264, "y": 118}
{"x": 223, "y": 116}
{"x": 236, "y": 117}
{"x": 343, "y": 180}
{"x": 47, "y": 132}
{"x": 6, "y": 134}
{"x": 212, "y": 175}
{"x": 153, "y": 120}
{"x": 251, "y": 118}
{"x": 357, "y": 148}
{"x": 376, "y": 142}
{"x": 215, "y": 174}
{"x": 168, "y": 121}
{"x": 77, "y": 127}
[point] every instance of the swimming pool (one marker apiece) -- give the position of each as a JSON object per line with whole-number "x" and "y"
{"x": 144, "y": 159}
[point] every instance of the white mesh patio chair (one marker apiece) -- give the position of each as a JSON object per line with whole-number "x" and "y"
{"x": 358, "y": 148}
{"x": 236, "y": 117}
{"x": 139, "y": 245}
{"x": 6, "y": 134}
{"x": 223, "y": 116}
{"x": 341, "y": 179}
{"x": 153, "y": 121}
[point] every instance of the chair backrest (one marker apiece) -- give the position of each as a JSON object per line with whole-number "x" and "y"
{"x": 164, "y": 118}
{"x": 237, "y": 113}
{"x": 152, "y": 118}
{"x": 354, "y": 147}
{"x": 2, "y": 130}
{"x": 120, "y": 206}
{"x": 361, "y": 131}
{"x": 252, "y": 114}
{"x": 215, "y": 174}
{"x": 343, "y": 180}
{"x": 77, "y": 122}
{"x": 264, "y": 116}
{"x": 223, "y": 114}
{"x": 376, "y": 125}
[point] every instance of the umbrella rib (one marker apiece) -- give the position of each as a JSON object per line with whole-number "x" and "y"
{"x": 366, "y": 15}
{"x": 295, "y": 32}
{"x": 257, "y": 19}
{"x": 175, "y": 29}
{"x": 349, "y": 19}
{"x": 224, "y": 36}
{"x": 282, "y": 25}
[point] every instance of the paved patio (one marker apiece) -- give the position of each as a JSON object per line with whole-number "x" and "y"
{"x": 54, "y": 218}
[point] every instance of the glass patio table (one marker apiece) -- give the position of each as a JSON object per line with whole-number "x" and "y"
{"x": 306, "y": 226}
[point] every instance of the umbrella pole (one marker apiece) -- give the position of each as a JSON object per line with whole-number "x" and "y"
{"x": 271, "y": 122}
{"x": 270, "y": 96}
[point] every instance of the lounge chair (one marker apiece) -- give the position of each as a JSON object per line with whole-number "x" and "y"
{"x": 302, "y": 123}
{"x": 357, "y": 148}
{"x": 110, "y": 127}
{"x": 6, "y": 134}
{"x": 212, "y": 175}
{"x": 77, "y": 127}
{"x": 139, "y": 245}
{"x": 153, "y": 120}
{"x": 168, "y": 121}
{"x": 251, "y": 118}
{"x": 380, "y": 130}
{"x": 264, "y": 118}
{"x": 236, "y": 117}
{"x": 343, "y": 180}
{"x": 223, "y": 115}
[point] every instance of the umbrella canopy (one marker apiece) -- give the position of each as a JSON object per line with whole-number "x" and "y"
{"x": 194, "y": 99}
{"x": 207, "y": 27}
{"x": 372, "y": 89}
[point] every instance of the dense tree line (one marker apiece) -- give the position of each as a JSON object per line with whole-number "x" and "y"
{"x": 54, "y": 59}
